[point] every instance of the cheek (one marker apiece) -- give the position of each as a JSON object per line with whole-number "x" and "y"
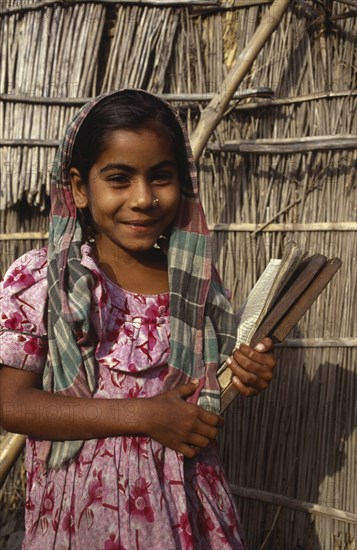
{"x": 100, "y": 213}
{"x": 101, "y": 202}
{"x": 174, "y": 204}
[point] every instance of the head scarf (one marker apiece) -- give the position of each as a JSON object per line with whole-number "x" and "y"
{"x": 202, "y": 324}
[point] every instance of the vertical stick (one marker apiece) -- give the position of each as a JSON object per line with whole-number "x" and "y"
{"x": 214, "y": 111}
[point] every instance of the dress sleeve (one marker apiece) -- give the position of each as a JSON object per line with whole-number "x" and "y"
{"x": 23, "y": 305}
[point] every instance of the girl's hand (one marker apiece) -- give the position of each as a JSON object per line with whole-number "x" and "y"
{"x": 181, "y": 426}
{"x": 253, "y": 367}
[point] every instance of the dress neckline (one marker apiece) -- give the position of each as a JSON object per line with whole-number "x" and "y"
{"x": 131, "y": 293}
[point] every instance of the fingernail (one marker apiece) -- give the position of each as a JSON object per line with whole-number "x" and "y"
{"x": 235, "y": 379}
{"x": 195, "y": 380}
{"x": 229, "y": 361}
{"x": 259, "y": 347}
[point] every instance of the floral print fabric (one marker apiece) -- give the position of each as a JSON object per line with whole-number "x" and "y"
{"x": 22, "y": 309}
{"x": 121, "y": 493}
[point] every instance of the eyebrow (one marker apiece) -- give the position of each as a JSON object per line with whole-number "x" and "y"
{"x": 128, "y": 168}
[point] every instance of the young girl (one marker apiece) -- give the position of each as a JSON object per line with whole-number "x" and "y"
{"x": 111, "y": 339}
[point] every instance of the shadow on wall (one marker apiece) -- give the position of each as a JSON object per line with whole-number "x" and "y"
{"x": 292, "y": 440}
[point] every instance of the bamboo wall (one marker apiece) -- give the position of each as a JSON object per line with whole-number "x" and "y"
{"x": 281, "y": 164}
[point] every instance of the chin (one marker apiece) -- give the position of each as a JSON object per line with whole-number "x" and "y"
{"x": 143, "y": 247}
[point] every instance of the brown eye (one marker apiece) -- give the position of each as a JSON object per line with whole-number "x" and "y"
{"x": 119, "y": 179}
{"x": 162, "y": 177}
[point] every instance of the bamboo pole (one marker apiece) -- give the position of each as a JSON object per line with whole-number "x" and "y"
{"x": 318, "y": 343}
{"x": 193, "y": 98}
{"x": 10, "y": 449}
{"x": 262, "y": 91}
{"x": 29, "y": 142}
{"x": 229, "y": 6}
{"x": 347, "y": 2}
{"x": 69, "y": 3}
{"x": 277, "y": 227}
{"x": 213, "y": 113}
{"x": 287, "y": 145}
{"x": 295, "y": 100}
{"x": 230, "y": 227}
{"x": 26, "y": 235}
{"x": 296, "y": 504}
{"x": 270, "y": 146}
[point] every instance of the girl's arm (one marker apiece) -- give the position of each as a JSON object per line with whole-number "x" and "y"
{"x": 168, "y": 418}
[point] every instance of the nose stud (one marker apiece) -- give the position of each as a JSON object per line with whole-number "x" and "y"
{"x": 155, "y": 202}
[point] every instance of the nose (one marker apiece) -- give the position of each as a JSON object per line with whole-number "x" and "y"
{"x": 141, "y": 195}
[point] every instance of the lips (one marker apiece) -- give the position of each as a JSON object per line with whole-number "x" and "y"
{"x": 140, "y": 223}
{"x": 140, "y": 226}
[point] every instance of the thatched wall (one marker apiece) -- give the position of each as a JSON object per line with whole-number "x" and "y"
{"x": 291, "y": 453}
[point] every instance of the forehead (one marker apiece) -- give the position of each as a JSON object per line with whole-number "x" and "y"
{"x": 150, "y": 144}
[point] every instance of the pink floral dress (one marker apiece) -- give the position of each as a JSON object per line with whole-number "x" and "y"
{"x": 121, "y": 493}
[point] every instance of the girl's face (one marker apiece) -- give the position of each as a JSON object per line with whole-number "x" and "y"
{"x": 134, "y": 169}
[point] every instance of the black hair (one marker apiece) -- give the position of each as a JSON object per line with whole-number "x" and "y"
{"x": 127, "y": 110}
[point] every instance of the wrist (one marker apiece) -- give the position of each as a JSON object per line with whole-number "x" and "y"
{"x": 145, "y": 412}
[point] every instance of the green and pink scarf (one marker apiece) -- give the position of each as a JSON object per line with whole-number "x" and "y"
{"x": 202, "y": 323}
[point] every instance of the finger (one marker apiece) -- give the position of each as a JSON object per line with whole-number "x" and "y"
{"x": 241, "y": 388}
{"x": 251, "y": 380}
{"x": 248, "y": 370}
{"x": 196, "y": 449}
{"x": 251, "y": 374}
{"x": 203, "y": 430}
{"x": 264, "y": 345}
{"x": 188, "y": 450}
{"x": 187, "y": 389}
{"x": 210, "y": 418}
{"x": 199, "y": 441}
{"x": 246, "y": 352}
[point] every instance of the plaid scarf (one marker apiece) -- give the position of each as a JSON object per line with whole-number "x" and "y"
{"x": 202, "y": 324}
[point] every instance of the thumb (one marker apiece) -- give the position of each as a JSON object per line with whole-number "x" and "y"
{"x": 188, "y": 389}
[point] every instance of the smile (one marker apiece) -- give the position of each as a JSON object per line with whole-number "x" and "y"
{"x": 138, "y": 223}
{"x": 140, "y": 226}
